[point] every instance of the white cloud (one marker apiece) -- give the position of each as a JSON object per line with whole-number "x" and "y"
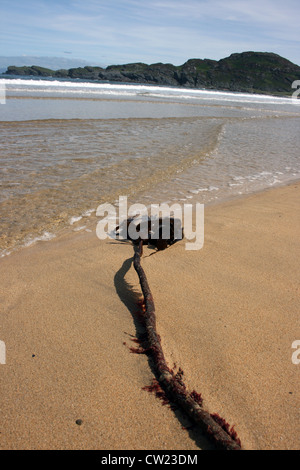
{"x": 151, "y": 31}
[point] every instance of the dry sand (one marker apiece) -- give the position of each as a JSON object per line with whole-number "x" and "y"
{"x": 227, "y": 314}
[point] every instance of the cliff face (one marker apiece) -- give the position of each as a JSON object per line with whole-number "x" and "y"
{"x": 252, "y": 72}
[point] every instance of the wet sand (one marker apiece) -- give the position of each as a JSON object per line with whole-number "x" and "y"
{"x": 227, "y": 314}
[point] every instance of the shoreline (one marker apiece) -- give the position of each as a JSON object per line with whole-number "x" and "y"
{"x": 67, "y": 312}
{"x": 90, "y": 223}
{"x": 262, "y": 93}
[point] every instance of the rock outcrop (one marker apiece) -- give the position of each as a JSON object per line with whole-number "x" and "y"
{"x": 253, "y": 72}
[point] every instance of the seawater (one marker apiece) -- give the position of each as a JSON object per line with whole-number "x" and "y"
{"x": 66, "y": 147}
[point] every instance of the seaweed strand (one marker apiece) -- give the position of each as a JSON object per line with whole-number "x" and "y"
{"x": 215, "y": 427}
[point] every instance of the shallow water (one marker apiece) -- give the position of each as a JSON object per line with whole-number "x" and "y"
{"x": 67, "y": 147}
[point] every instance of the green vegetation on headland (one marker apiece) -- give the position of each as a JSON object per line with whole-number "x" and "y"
{"x": 252, "y": 72}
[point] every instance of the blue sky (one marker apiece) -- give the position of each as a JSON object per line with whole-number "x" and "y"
{"x": 122, "y": 31}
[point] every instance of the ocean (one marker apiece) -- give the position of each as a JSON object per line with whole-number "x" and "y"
{"x": 67, "y": 147}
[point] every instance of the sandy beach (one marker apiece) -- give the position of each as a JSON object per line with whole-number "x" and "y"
{"x": 227, "y": 315}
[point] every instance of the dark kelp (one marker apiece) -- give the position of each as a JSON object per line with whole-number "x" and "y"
{"x": 170, "y": 386}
